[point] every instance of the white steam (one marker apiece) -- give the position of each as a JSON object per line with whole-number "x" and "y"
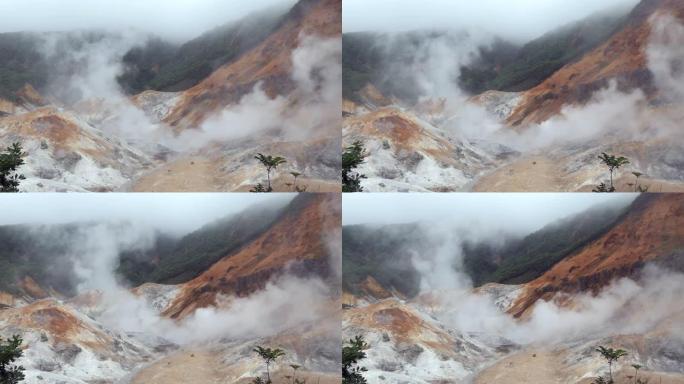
{"x": 282, "y": 304}
{"x": 92, "y": 89}
{"x": 665, "y": 56}
{"x": 90, "y": 83}
{"x": 616, "y": 309}
{"x": 285, "y": 302}
{"x": 311, "y": 108}
{"x": 610, "y": 114}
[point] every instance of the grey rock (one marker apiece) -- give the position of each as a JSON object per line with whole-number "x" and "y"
{"x": 67, "y": 352}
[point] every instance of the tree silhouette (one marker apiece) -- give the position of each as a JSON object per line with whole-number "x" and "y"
{"x": 611, "y": 355}
{"x": 295, "y": 367}
{"x": 9, "y": 162}
{"x": 352, "y": 157}
{"x": 270, "y": 163}
{"x": 296, "y": 175}
{"x": 636, "y": 367}
{"x": 9, "y": 373}
{"x": 612, "y": 162}
{"x": 352, "y": 353}
{"x": 636, "y": 183}
{"x": 268, "y": 355}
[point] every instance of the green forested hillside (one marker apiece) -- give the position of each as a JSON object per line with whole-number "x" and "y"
{"x": 44, "y": 253}
{"x": 163, "y": 66}
{"x": 506, "y": 68}
{"x": 385, "y": 252}
{"x": 42, "y": 59}
{"x": 503, "y": 65}
{"x": 174, "y": 261}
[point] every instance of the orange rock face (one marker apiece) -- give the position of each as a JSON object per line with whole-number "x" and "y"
{"x": 652, "y": 229}
{"x": 268, "y": 63}
{"x": 293, "y": 242}
{"x": 622, "y": 57}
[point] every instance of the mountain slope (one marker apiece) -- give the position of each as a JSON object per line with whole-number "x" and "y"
{"x": 268, "y": 63}
{"x": 163, "y": 66}
{"x": 651, "y": 231}
{"x": 506, "y": 67}
{"x": 378, "y": 261}
{"x": 293, "y": 243}
{"x": 621, "y": 57}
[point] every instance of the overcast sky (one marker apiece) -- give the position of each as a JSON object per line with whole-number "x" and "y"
{"x": 174, "y": 19}
{"x": 513, "y": 19}
{"x": 174, "y": 212}
{"x": 524, "y": 211}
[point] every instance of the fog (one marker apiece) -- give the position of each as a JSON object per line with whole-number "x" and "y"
{"x": 523, "y": 211}
{"x": 177, "y": 213}
{"x": 519, "y": 20}
{"x": 173, "y": 19}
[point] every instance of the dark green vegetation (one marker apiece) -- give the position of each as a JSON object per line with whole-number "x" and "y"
{"x": 270, "y": 163}
{"x": 10, "y": 160}
{"x": 20, "y": 63}
{"x": 352, "y": 354}
{"x": 612, "y": 162}
{"x": 44, "y": 252}
{"x": 163, "y": 66}
{"x": 176, "y": 261}
{"x": 519, "y": 261}
{"x": 353, "y": 156}
{"x": 152, "y": 64}
{"x": 9, "y": 353}
{"x": 269, "y": 356}
{"x": 361, "y": 62}
{"x": 386, "y": 61}
{"x": 504, "y": 65}
{"x": 38, "y": 252}
{"x": 385, "y": 253}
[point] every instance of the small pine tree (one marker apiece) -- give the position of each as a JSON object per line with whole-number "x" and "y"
{"x": 9, "y": 162}
{"x": 352, "y": 353}
{"x": 352, "y": 157}
{"x": 9, "y": 353}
